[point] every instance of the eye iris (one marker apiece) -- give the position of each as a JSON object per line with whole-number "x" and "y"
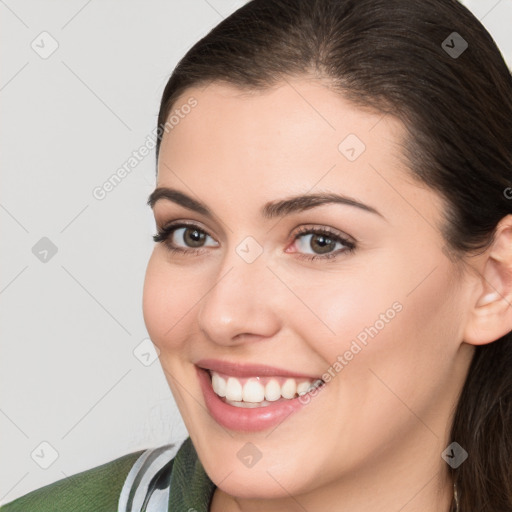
{"x": 196, "y": 238}
{"x": 325, "y": 245}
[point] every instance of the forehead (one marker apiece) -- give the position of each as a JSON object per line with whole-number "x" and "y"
{"x": 295, "y": 109}
{"x": 295, "y": 137}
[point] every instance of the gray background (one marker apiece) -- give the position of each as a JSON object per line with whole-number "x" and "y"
{"x": 73, "y": 370}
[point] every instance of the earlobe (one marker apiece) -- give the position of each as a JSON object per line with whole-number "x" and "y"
{"x": 488, "y": 298}
{"x": 491, "y": 315}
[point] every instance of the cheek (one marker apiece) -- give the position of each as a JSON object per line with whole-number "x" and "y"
{"x": 169, "y": 297}
{"x": 345, "y": 311}
{"x": 383, "y": 322}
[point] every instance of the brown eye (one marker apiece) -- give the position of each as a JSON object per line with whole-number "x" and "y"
{"x": 192, "y": 237}
{"x": 183, "y": 237}
{"x": 321, "y": 243}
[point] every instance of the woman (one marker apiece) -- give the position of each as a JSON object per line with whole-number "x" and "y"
{"x": 331, "y": 286}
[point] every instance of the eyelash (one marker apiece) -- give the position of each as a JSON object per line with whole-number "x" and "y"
{"x": 164, "y": 234}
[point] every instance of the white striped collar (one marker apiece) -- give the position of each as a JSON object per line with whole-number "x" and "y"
{"x": 136, "y": 486}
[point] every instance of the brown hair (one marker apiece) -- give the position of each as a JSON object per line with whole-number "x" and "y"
{"x": 400, "y": 57}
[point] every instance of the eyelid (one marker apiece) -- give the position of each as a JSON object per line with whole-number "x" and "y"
{"x": 307, "y": 228}
{"x": 162, "y": 214}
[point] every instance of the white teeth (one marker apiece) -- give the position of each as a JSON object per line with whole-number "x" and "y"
{"x": 219, "y": 384}
{"x": 303, "y": 388}
{"x": 233, "y": 390}
{"x": 272, "y": 390}
{"x": 248, "y": 405}
{"x": 254, "y": 394}
{"x": 289, "y": 388}
{"x": 253, "y": 391}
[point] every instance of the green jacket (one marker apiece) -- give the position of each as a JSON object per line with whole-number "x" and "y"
{"x": 143, "y": 481}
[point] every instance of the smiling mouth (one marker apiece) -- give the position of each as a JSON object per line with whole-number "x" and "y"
{"x": 250, "y": 392}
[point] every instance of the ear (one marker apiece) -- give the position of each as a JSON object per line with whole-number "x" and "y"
{"x": 491, "y": 315}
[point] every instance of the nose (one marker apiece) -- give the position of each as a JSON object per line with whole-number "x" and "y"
{"x": 241, "y": 304}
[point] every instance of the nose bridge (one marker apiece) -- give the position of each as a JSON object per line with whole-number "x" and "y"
{"x": 240, "y": 299}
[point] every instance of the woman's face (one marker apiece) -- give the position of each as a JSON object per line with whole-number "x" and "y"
{"x": 379, "y": 317}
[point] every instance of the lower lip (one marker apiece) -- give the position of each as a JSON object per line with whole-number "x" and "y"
{"x": 245, "y": 419}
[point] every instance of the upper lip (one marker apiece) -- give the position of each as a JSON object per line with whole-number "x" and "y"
{"x": 249, "y": 370}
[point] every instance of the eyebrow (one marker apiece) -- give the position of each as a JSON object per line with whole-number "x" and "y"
{"x": 270, "y": 210}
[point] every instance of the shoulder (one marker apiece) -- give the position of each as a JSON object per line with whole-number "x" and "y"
{"x": 97, "y": 489}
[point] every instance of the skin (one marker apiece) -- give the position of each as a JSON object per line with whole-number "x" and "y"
{"x": 372, "y": 438}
